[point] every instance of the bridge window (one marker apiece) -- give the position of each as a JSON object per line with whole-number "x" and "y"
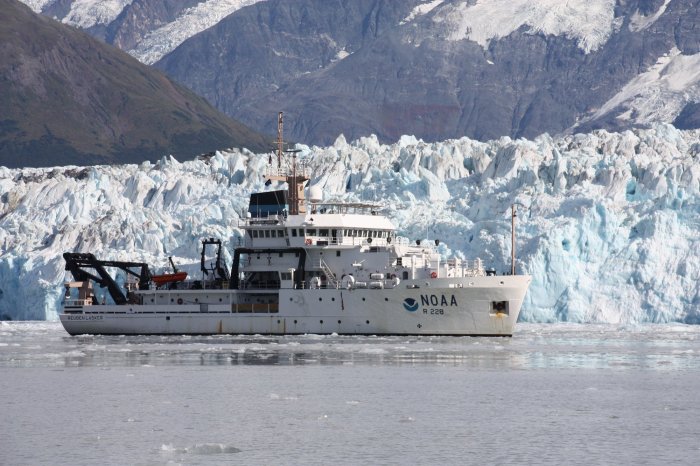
{"x": 294, "y": 232}
{"x": 267, "y": 233}
{"x": 310, "y": 232}
{"x": 273, "y": 233}
{"x": 250, "y": 233}
{"x": 323, "y": 232}
{"x": 280, "y": 233}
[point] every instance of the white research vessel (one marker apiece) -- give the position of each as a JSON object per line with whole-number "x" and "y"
{"x": 316, "y": 267}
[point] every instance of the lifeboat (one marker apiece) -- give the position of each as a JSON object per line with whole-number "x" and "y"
{"x": 168, "y": 278}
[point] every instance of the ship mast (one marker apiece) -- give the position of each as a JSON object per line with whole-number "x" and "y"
{"x": 295, "y": 181}
{"x": 280, "y": 141}
{"x": 512, "y": 238}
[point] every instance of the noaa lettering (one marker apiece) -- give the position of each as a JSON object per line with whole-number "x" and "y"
{"x": 437, "y": 300}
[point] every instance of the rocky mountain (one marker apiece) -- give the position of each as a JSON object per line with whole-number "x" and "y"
{"x": 444, "y": 69}
{"x": 147, "y": 29}
{"x": 434, "y": 68}
{"x": 70, "y": 99}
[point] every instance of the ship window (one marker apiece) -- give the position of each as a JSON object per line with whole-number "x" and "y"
{"x": 280, "y": 233}
{"x": 345, "y": 232}
{"x": 337, "y": 253}
{"x": 323, "y": 232}
{"x": 267, "y": 233}
{"x": 250, "y": 233}
{"x": 405, "y": 275}
{"x": 399, "y": 261}
{"x": 253, "y": 233}
{"x": 286, "y": 276}
{"x": 273, "y": 233}
{"x": 310, "y": 232}
{"x": 294, "y": 232}
{"x": 374, "y": 233}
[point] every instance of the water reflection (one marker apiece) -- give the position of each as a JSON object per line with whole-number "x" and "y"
{"x": 652, "y": 347}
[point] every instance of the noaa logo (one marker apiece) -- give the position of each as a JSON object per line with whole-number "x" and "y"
{"x": 410, "y": 304}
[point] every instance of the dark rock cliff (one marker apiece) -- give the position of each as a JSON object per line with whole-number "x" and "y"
{"x": 284, "y": 55}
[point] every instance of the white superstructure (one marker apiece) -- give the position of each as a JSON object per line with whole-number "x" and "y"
{"x": 316, "y": 267}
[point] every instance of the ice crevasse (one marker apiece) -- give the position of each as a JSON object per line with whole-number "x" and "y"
{"x": 608, "y": 223}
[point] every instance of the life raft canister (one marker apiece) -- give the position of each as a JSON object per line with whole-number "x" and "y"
{"x": 433, "y": 274}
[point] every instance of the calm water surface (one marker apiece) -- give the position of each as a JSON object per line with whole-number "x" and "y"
{"x": 552, "y": 394}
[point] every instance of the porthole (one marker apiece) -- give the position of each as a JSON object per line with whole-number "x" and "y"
{"x": 321, "y": 321}
{"x": 367, "y": 321}
{"x": 386, "y": 299}
{"x": 295, "y": 321}
{"x": 338, "y": 321}
{"x": 167, "y": 317}
{"x": 219, "y": 299}
{"x": 279, "y": 321}
{"x": 332, "y": 299}
{"x": 363, "y": 299}
{"x": 320, "y": 299}
{"x": 290, "y": 299}
{"x": 172, "y": 300}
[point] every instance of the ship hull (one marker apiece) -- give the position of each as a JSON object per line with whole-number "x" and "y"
{"x": 477, "y": 306}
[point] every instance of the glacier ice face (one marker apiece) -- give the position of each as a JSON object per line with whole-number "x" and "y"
{"x": 607, "y": 222}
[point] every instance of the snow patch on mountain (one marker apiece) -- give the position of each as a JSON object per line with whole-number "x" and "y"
{"x": 37, "y": 6}
{"x": 659, "y": 94}
{"x": 640, "y": 22}
{"x": 589, "y": 22}
{"x": 608, "y": 223}
{"x": 88, "y": 13}
{"x": 165, "y": 39}
{"x": 420, "y": 10}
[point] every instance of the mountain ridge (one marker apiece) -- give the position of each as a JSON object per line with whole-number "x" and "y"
{"x": 70, "y": 99}
{"x": 436, "y": 69}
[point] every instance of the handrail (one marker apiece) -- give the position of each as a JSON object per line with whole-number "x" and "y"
{"x": 330, "y": 276}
